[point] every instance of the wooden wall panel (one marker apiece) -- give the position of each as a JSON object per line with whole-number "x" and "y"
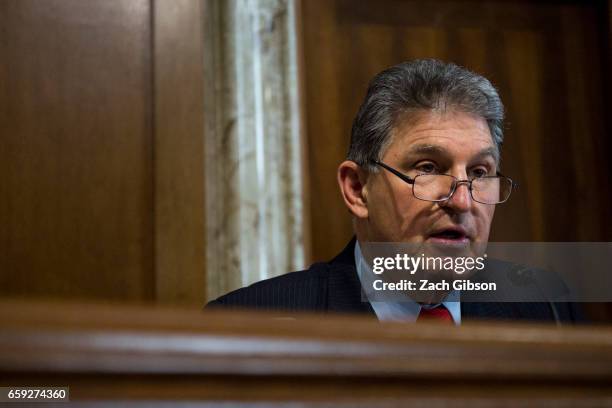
{"x": 101, "y": 150}
{"x": 76, "y": 149}
{"x": 550, "y": 61}
{"x": 179, "y": 152}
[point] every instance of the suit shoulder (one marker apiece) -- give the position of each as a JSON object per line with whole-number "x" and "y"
{"x": 295, "y": 291}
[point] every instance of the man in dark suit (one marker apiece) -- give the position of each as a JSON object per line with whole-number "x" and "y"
{"x": 422, "y": 168}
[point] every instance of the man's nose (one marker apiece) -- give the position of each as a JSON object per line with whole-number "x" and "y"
{"x": 461, "y": 200}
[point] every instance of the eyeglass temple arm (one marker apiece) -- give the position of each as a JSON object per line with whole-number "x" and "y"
{"x": 514, "y": 183}
{"x": 404, "y": 177}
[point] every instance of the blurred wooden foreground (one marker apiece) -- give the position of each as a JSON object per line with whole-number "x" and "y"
{"x": 132, "y": 355}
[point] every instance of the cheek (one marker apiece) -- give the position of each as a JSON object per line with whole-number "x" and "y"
{"x": 390, "y": 209}
{"x": 416, "y": 218}
{"x": 485, "y": 218}
{"x": 489, "y": 213}
{"x": 385, "y": 198}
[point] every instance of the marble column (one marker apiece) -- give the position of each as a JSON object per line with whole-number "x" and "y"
{"x": 254, "y": 180}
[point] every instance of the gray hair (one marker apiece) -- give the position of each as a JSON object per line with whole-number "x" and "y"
{"x": 417, "y": 86}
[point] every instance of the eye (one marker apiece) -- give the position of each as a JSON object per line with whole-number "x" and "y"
{"x": 426, "y": 168}
{"x": 479, "y": 172}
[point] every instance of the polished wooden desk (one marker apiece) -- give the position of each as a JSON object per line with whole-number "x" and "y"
{"x": 133, "y": 355}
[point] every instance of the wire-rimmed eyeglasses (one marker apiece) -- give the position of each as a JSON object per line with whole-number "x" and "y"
{"x": 441, "y": 187}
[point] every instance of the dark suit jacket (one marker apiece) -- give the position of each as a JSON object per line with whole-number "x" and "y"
{"x": 335, "y": 287}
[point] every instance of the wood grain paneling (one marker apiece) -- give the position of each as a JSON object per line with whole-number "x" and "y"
{"x": 551, "y": 63}
{"x": 101, "y": 152}
{"x": 76, "y": 149}
{"x": 131, "y": 356}
{"x": 179, "y": 152}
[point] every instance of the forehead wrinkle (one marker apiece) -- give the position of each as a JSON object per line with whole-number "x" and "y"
{"x": 422, "y": 124}
{"x": 423, "y": 148}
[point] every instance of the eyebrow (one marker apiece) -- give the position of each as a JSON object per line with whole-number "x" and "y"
{"x": 434, "y": 149}
{"x": 423, "y": 148}
{"x": 489, "y": 151}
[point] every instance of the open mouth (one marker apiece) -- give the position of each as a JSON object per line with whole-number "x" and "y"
{"x": 449, "y": 236}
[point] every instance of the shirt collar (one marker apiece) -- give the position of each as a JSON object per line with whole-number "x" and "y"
{"x": 406, "y": 310}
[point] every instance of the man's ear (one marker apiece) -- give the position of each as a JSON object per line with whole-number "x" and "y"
{"x": 352, "y": 179}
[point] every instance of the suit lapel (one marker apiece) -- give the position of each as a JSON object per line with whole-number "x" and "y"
{"x": 344, "y": 293}
{"x": 487, "y": 310}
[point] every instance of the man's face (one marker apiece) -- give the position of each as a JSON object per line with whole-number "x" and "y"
{"x": 452, "y": 143}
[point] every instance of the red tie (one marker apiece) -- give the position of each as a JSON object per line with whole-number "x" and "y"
{"x": 436, "y": 314}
